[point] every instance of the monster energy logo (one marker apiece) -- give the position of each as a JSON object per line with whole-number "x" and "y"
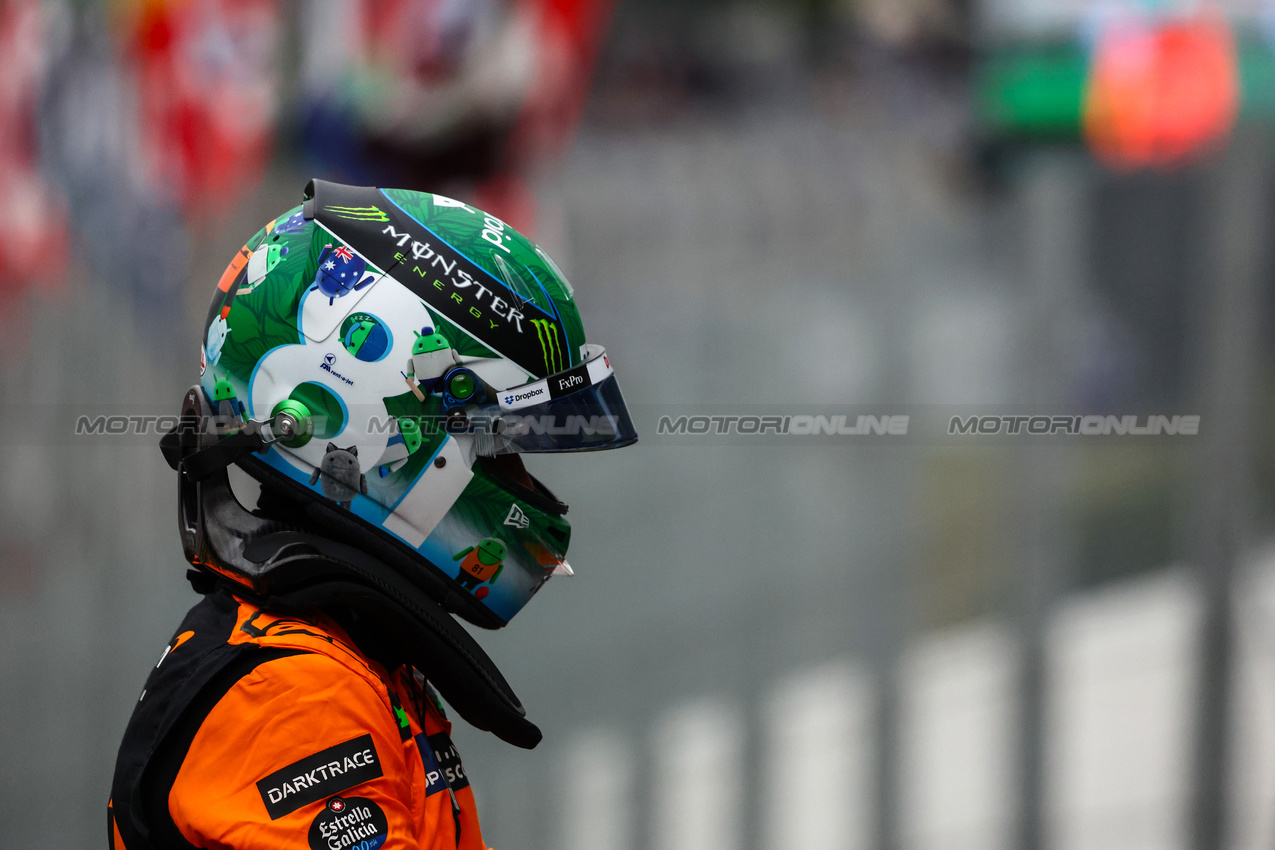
{"x": 358, "y": 213}
{"x": 547, "y": 333}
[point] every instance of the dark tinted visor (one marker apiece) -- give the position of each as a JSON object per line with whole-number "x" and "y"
{"x": 590, "y": 419}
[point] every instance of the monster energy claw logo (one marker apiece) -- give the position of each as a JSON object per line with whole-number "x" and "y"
{"x": 358, "y": 213}
{"x": 547, "y": 333}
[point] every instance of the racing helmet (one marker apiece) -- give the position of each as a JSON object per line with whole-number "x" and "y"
{"x": 378, "y": 359}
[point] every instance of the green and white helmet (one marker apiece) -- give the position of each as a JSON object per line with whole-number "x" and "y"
{"x": 397, "y": 350}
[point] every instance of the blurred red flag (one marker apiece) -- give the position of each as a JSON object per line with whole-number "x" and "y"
{"x": 206, "y": 78}
{"x": 1161, "y": 94}
{"x": 33, "y": 249}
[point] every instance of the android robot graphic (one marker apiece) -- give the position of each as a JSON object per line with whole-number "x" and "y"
{"x": 218, "y": 330}
{"x": 341, "y": 272}
{"x": 227, "y": 404}
{"x": 340, "y": 475}
{"x": 482, "y": 563}
{"x": 366, "y": 339}
{"x": 431, "y": 356}
{"x": 261, "y": 263}
{"x": 400, "y": 447}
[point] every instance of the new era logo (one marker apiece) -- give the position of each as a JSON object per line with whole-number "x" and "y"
{"x": 516, "y": 517}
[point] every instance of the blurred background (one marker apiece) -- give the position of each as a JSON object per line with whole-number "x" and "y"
{"x": 919, "y": 207}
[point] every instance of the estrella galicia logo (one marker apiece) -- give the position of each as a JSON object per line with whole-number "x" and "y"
{"x": 323, "y": 774}
{"x": 349, "y": 823}
{"x": 329, "y": 360}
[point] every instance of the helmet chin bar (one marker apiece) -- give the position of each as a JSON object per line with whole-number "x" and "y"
{"x": 214, "y": 526}
{"x": 289, "y": 568}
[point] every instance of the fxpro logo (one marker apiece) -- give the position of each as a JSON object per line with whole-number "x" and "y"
{"x": 329, "y": 360}
{"x": 516, "y": 397}
{"x": 569, "y": 382}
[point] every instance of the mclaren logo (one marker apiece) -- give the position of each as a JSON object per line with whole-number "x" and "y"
{"x": 516, "y": 517}
{"x": 178, "y": 641}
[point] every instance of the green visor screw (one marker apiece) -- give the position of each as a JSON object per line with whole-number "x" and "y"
{"x": 293, "y": 423}
{"x": 461, "y": 386}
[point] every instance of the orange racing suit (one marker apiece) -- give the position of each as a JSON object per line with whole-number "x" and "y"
{"x": 258, "y": 731}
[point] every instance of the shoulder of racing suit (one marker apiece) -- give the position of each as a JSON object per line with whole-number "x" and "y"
{"x": 261, "y": 727}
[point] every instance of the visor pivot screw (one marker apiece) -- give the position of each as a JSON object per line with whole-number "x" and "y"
{"x": 440, "y": 461}
{"x": 292, "y": 422}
